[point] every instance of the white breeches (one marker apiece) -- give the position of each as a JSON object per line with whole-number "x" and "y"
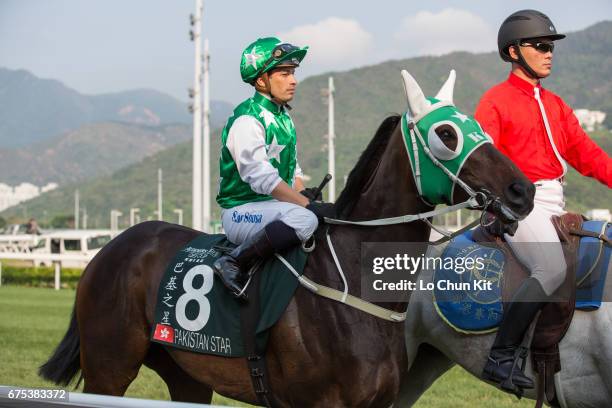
{"x": 244, "y": 220}
{"x": 536, "y": 243}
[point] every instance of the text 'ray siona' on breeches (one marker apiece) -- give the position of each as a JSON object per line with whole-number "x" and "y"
{"x": 243, "y": 221}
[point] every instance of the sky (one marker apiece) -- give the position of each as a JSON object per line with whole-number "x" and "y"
{"x": 102, "y": 46}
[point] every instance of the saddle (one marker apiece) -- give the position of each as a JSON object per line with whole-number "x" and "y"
{"x": 555, "y": 317}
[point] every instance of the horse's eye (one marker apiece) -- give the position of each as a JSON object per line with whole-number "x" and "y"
{"x": 448, "y": 136}
{"x": 445, "y": 140}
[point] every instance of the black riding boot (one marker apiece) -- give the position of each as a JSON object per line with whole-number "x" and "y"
{"x": 502, "y": 366}
{"x": 233, "y": 268}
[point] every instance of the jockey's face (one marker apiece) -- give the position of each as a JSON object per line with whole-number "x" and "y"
{"x": 282, "y": 83}
{"x": 539, "y": 61}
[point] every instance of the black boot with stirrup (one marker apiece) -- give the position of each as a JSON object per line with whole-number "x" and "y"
{"x": 506, "y": 360}
{"x": 233, "y": 268}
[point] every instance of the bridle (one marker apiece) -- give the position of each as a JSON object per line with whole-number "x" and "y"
{"x": 425, "y": 163}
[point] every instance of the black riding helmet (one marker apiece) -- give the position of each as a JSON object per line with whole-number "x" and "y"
{"x": 523, "y": 25}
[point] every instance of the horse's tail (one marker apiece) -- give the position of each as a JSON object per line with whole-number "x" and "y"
{"x": 65, "y": 363}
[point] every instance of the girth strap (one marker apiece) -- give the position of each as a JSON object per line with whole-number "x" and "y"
{"x": 546, "y": 364}
{"x": 256, "y": 362}
{"x": 540, "y": 384}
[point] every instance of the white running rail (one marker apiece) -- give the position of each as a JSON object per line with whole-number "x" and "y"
{"x": 76, "y": 399}
{"x": 55, "y": 259}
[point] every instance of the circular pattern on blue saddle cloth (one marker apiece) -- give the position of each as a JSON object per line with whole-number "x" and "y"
{"x": 470, "y": 302}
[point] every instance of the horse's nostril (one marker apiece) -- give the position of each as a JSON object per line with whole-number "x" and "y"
{"x": 519, "y": 196}
{"x": 517, "y": 192}
{"x": 518, "y": 188}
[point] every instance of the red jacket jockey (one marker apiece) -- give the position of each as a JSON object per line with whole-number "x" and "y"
{"x": 539, "y": 133}
{"x": 510, "y": 114}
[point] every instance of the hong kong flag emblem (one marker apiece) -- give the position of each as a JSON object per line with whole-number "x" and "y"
{"x": 164, "y": 333}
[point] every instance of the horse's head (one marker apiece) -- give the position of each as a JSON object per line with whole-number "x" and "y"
{"x": 452, "y": 158}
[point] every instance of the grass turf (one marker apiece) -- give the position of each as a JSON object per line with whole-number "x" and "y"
{"x": 33, "y": 321}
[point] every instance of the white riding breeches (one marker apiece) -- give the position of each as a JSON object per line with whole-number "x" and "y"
{"x": 242, "y": 221}
{"x": 536, "y": 243}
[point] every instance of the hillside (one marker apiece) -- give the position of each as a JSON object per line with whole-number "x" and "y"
{"x": 364, "y": 97}
{"x": 91, "y": 150}
{"x": 34, "y": 109}
{"x": 585, "y": 193}
{"x": 136, "y": 186}
{"x": 133, "y": 186}
{"x": 582, "y": 74}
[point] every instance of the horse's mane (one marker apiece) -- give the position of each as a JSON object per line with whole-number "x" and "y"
{"x": 365, "y": 166}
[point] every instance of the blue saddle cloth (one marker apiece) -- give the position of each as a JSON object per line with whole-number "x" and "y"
{"x": 593, "y": 264}
{"x": 468, "y": 305}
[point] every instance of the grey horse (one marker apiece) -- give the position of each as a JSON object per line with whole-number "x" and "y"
{"x": 585, "y": 379}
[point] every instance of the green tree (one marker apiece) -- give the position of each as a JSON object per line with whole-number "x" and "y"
{"x": 62, "y": 221}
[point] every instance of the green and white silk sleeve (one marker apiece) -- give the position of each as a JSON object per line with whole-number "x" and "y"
{"x": 298, "y": 171}
{"x": 247, "y": 145}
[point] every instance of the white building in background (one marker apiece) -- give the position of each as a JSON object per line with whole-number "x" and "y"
{"x": 48, "y": 187}
{"x": 25, "y": 191}
{"x": 590, "y": 120}
{"x": 6, "y": 193}
{"x": 10, "y": 196}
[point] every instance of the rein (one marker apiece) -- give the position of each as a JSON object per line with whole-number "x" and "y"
{"x": 438, "y": 176}
{"x": 480, "y": 199}
{"x": 486, "y": 199}
{"x": 404, "y": 219}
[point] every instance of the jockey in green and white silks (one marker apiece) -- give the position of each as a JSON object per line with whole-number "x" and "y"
{"x": 261, "y": 181}
{"x": 265, "y": 135}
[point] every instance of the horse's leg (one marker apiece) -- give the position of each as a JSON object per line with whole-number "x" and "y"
{"x": 585, "y": 378}
{"x": 181, "y": 386}
{"x": 114, "y": 334}
{"x": 426, "y": 368}
{"x": 112, "y": 299}
{"x": 425, "y": 362}
{"x": 111, "y": 362}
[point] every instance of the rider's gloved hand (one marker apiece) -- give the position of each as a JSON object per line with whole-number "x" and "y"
{"x": 321, "y": 209}
{"x": 309, "y": 193}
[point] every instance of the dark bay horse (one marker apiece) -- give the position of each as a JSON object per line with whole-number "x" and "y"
{"x": 321, "y": 352}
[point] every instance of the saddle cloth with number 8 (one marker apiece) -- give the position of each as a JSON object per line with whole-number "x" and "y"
{"x": 195, "y": 312}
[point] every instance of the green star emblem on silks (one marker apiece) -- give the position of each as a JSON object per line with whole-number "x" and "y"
{"x": 268, "y": 117}
{"x": 251, "y": 59}
{"x": 257, "y": 57}
{"x": 274, "y": 150}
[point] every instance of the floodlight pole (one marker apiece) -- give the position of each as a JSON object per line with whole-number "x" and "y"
{"x": 331, "y": 159}
{"x": 206, "y": 160}
{"x": 197, "y": 119}
{"x": 159, "y": 195}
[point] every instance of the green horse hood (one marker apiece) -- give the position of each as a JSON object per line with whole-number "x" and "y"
{"x": 435, "y": 162}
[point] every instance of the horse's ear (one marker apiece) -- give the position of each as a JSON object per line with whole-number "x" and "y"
{"x": 446, "y": 92}
{"x": 416, "y": 99}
